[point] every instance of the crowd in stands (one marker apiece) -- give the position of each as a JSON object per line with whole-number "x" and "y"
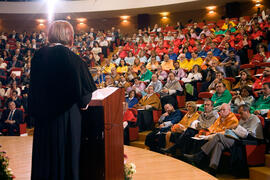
{"x": 161, "y": 68}
{"x": 227, "y": 62}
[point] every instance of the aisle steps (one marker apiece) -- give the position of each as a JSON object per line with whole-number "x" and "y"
{"x": 261, "y": 173}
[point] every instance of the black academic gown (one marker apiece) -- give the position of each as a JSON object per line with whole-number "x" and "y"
{"x": 60, "y": 85}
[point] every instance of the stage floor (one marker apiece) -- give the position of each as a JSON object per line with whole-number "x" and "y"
{"x": 149, "y": 165}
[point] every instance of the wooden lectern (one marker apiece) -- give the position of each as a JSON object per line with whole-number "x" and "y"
{"x": 102, "y": 154}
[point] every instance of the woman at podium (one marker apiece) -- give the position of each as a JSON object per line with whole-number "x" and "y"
{"x": 60, "y": 86}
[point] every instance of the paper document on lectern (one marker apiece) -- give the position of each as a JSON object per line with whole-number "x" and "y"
{"x": 100, "y": 94}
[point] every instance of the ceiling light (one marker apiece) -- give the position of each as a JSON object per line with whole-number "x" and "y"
{"x": 211, "y": 12}
{"x": 164, "y": 14}
{"x": 81, "y": 19}
{"x": 211, "y": 7}
{"x": 40, "y": 20}
{"x": 124, "y": 17}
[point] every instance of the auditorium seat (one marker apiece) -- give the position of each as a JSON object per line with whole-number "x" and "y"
{"x": 231, "y": 79}
{"x": 202, "y": 96}
{"x": 254, "y": 150}
{"x": 249, "y": 67}
{"x": 133, "y": 130}
{"x": 260, "y": 67}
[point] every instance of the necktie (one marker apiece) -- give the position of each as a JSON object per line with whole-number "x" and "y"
{"x": 10, "y": 115}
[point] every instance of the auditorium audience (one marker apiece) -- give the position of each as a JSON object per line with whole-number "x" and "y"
{"x": 249, "y": 123}
{"x": 204, "y": 121}
{"x": 162, "y": 56}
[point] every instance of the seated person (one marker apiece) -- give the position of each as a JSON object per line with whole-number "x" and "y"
{"x": 226, "y": 24}
{"x": 156, "y": 83}
{"x": 167, "y": 64}
{"x": 122, "y": 68}
{"x": 138, "y": 86}
{"x": 262, "y": 105}
{"x": 153, "y": 64}
{"x": 261, "y": 56}
{"x": 130, "y": 75}
{"x": 3, "y": 65}
{"x": 245, "y": 80}
{"x": 179, "y": 72}
{"x": 145, "y": 106}
{"x": 263, "y": 79}
{"x": 226, "y": 120}
{"x": 99, "y": 79}
{"x": 162, "y": 75}
{"x": 145, "y": 74}
{"x": 155, "y": 140}
{"x": 115, "y": 75}
{"x": 231, "y": 64}
{"x": 209, "y": 58}
{"x": 10, "y": 120}
{"x": 14, "y": 97}
{"x": 184, "y": 63}
{"x": 191, "y": 83}
{"x": 13, "y": 87}
{"x": 131, "y": 100}
{"x": 109, "y": 81}
{"x": 252, "y": 127}
{"x": 195, "y": 60}
{"x": 244, "y": 97}
{"x": 123, "y": 83}
{"x": 182, "y": 126}
{"x": 130, "y": 58}
{"x": 222, "y": 95}
{"x": 209, "y": 75}
{"x": 108, "y": 66}
{"x": 219, "y": 78}
{"x": 12, "y": 78}
{"x": 137, "y": 65}
{"x": 169, "y": 91}
{"x": 14, "y": 64}
{"x": 194, "y": 75}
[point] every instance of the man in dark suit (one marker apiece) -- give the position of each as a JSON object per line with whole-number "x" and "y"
{"x": 18, "y": 54}
{"x": 15, "y": 63}
{"x": 11, "y": 119}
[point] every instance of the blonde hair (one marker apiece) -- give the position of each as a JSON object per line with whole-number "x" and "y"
{"x": 61, "y": 32}
{"x": 192, "y": 104}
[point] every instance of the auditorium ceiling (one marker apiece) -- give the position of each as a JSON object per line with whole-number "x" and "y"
{"x": 62, "y": 11}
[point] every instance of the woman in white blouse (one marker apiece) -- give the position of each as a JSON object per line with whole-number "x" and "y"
{"x": 194, "y": 75}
